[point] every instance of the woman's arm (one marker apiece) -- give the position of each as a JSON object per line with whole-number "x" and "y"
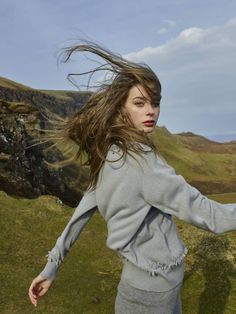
{"x": 82, "y": 214}
{"x": 164, "y": 189}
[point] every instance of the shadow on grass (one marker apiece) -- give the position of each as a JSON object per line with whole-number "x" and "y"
{"x": 209, "y": 256}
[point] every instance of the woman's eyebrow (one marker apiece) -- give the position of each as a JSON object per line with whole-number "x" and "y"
{"x": 140, "y": 97}
{"x": 157, "y": 99}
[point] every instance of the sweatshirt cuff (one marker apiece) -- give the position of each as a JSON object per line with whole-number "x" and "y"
{"x": 50, "y": 271}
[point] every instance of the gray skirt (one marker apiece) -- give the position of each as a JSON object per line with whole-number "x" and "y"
{"x": 130, "y": 300}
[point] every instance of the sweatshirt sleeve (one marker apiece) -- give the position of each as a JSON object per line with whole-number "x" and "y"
{"x": 82, "y": 214}
{"x": 164, "y": 189}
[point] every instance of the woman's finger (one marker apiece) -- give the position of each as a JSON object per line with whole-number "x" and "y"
{"x": 42, "y": 292}
{"x": 33, "y": 300}
{"x": 33, "y": 286}
{"x": 32, "y": 293}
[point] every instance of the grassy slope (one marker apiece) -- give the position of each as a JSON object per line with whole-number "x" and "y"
{"x": 194, "y": 164}
{"x": 60, "y": 94}
{"x": 4, "y": 82}
{"x": 87, "y": 280}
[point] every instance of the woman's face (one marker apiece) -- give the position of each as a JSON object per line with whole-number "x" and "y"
{"x": 142, "y": 112}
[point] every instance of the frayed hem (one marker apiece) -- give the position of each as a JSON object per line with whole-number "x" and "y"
{"x": 154, "y": 267}
{"x": 53, "y": 258}
{"x": 166, "y": 267}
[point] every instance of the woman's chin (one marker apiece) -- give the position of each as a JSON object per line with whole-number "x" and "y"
{"x": 148, "y": 129}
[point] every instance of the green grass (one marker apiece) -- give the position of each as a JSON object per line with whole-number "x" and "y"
{"x": 4, "y": 82}
{"x": 87, "y": 280}
{"x": 64, "y": 95}
{"x": 197, "y": 166}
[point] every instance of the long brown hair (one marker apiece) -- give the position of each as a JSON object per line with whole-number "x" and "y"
{"x": 99, "y": 123}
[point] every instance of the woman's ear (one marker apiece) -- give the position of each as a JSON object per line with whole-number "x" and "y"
{"x": 125, "y": 116}
{"x": 122, "y": 113}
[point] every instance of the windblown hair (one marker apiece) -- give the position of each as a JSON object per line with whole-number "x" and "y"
{"x": 99, "y": 123}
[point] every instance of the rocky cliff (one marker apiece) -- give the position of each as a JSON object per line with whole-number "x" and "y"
{"x": 23, "y": 172}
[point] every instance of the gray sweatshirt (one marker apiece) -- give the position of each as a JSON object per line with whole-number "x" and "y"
{"x": 137, "y": 198}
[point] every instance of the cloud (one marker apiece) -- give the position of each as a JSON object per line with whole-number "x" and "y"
{"x": 163, "y": 30}
{"x": 198, "y": 74}
{"x": 169, "y": 24}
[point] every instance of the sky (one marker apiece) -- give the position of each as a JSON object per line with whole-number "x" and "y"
{"x": 190, "y": 45}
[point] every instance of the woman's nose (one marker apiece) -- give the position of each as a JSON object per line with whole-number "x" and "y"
{"x": 150, "y": 110}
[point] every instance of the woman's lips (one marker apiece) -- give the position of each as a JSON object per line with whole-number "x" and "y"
{"x": 149, "y": 123}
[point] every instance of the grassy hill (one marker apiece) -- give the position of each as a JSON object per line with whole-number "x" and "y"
{"x": 208, "y": 165}
{"x": 60, "y": 95}
{"x": 4, "y": 82}
{"x": 87, "y": 280}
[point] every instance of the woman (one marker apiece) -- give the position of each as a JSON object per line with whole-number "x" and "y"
{"x": 133, "y": 188}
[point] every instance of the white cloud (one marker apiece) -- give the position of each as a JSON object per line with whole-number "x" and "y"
{"x": 163, "y": 30}
{"x": 198, "y": 74}
{"x": 168, "y": 25}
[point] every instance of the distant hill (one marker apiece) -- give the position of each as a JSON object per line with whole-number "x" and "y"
{"x": 222, "y": 137}
{"x": 209, "y": 166}
{"x": 200, "y": 143}
{"x": 219, "y": 138}
{"x": 4, "y": 82}
{"x": 62, "y": 102}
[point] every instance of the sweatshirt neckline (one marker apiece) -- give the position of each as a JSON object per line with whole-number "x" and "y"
{"x": 144, "y": 147}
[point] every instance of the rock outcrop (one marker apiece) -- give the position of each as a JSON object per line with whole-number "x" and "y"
{"x": 23, "y": 172}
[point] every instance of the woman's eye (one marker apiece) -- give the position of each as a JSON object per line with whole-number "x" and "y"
{"x": 139, "y": 104}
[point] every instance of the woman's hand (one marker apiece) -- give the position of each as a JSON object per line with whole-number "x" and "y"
{"x": 38, "y": 288}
